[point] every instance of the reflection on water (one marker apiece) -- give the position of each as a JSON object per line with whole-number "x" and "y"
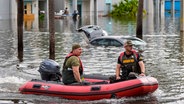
{"x": 163, "y": 56}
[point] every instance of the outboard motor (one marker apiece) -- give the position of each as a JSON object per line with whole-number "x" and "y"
{"x": 50, "y": 70}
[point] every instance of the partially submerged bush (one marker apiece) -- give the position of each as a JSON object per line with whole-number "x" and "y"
{"x": 126, "y": 8}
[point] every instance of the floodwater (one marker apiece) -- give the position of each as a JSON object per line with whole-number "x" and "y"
{"x": 163, "y": 55}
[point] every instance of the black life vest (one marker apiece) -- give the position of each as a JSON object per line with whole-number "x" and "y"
{"x": 130, "y": 64}
{"x": 67, "y": 72}
{"x": 70, "y": 55}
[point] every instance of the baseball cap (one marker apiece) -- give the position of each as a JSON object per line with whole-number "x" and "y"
{"x": 128, "y": 43}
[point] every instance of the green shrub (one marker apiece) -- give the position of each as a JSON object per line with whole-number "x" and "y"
{"x": 126, "y": 8}
{"x": 41, "y": 17}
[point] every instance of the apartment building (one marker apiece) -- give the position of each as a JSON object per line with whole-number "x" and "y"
{"x": 32, "y": 7}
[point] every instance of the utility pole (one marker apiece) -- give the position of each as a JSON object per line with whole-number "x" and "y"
{"x": 182, "y": 24}
{"x": 20, "y": 18}
{"x": 95, "y": 12}
{"x": 51, "y": 30}
{"x": 139, "y": 19}
{"x": 182, "y": 16}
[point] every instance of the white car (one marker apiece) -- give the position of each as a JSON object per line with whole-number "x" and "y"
{"x": 117, "y": 41}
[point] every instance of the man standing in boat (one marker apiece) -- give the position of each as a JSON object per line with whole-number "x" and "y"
{"x": 72, "y": 67}
{"x": 66, "y": 12}
{"x": 130, "y": 63}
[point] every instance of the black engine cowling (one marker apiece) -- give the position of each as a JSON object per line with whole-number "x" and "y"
{"x": 49, "y": 70}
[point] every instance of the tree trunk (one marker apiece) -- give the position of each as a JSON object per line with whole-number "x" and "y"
{"x": 139, "y": 19}
{"x": 20, "y": 18}
{"x": 51, "y": 30}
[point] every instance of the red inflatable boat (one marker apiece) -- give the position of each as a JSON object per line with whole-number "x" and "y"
{"x": 135, "y": 87}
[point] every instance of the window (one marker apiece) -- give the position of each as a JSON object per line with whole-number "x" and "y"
{"x": 89, "y": 30}
{"x": 115, "y": 43}
{"x": 136, "y": 41}
{"x": 94, "y": 42}
{"x": 25, "y": 9}
{"x": 100, "y": 42}
{"x": 28, "y": 8}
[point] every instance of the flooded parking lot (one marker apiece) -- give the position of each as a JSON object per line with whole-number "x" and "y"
{"x": 163, "y": 58}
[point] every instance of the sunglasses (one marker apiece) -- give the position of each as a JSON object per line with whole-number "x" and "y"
{"x": 129, "y": 46}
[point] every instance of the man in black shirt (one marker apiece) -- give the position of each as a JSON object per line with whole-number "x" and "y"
{"x": 130, "y": 63}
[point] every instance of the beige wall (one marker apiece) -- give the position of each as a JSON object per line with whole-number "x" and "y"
{"x": 86, "y": 7}
{"x": 5, "y": 9}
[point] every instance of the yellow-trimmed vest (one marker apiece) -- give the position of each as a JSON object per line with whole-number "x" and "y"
{"x": 129, "y": 64}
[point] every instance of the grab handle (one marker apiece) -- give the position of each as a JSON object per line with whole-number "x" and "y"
{"x": 95, "y": 88}
{"x": 38, "y": 86}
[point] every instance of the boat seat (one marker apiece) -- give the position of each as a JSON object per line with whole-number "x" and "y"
{"x": 88, "y": 83}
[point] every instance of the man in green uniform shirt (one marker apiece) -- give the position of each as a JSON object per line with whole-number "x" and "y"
{"x": 72, "y": 67}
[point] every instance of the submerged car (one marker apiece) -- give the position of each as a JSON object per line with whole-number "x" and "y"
{"x": 92, "y": 31}
{"x": 117, "y": 41}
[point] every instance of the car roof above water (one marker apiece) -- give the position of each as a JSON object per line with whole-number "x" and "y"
{"x": 122, "y": 39}
{"x": 116, "y": 37}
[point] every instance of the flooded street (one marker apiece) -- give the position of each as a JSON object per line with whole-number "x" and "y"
{"x": 164, "y": 58}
